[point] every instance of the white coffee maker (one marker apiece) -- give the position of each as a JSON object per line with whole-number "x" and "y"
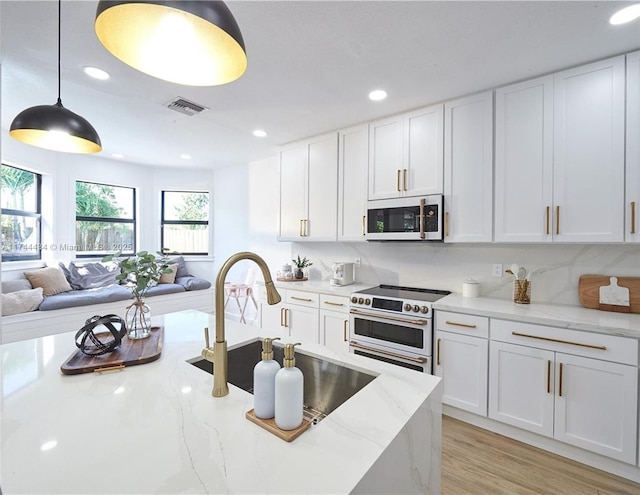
{"x": 342, "y": 273}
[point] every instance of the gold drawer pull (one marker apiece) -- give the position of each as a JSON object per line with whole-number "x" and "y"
{"x": 404, "y": 178}
{"x": 547, "y": 220}
{"x": 109, "y": 368}
{"x": 560, "y": 382}
{"x": 548, "y": 376}
{"x": 557, "y": 220}
{"x": 559, "y": 341}
{"x": 332, "y": 303}
{"x": 466, "y": 325}
{"x": 633, "y": 217}
{"x": 301, "y": 299}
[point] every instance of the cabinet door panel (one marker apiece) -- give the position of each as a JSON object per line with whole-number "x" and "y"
{"x": 424, "y": 160}
{"x": 272, "y": 319}
{"x": 293, "y": 195}
{"x": 352, "y": 195}
{"x": 521, "y": 387}
{"x": 334, "y": 330}
{"x": 598, "y": 406}
{"x": 589, "y": 152}
{"x": 323, "y": 189}
{"x": 385, "y": 158}
{"x": 632, "y": 199}
{"x": 524, "y": 161}
{"x": 303, "y": 324}
{"x": 461, "y": 361}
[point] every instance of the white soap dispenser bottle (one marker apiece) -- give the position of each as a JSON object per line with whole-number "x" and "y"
{"x": 289, "y": 392}
{"x": 264, "y": 381}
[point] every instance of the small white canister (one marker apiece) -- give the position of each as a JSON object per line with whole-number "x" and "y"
{"x": 470, "y": 288}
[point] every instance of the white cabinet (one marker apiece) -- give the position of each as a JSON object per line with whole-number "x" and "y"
{"x": 334, "y": 322}
{"x": 588, "y": 152}
{"x": 632, "y": 181}
{"x": 309, "y": 191}
{"x": 468, "y": 169}
{"x": 406, "y": 154}
{"x": 577, "y": 387}
{"x": 353, "y": 164}
{"x": 291, "y": 322}
{"x": 461, "y": 359}
{"x": 524, "y": 162}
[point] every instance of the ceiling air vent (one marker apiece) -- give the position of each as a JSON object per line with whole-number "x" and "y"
{"x": 185, "y": 107}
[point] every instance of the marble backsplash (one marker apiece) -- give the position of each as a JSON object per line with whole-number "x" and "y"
{"x": 556, "y": 268}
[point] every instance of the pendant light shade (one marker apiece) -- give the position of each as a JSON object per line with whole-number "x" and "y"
{"x": 195, "y": 43}
{"x": 54, "y": 127}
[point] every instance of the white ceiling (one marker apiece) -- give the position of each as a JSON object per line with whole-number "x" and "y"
{"x": 311, "y": 65}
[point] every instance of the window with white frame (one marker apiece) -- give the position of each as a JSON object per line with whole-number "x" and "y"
{"x": 105, "y": 219}
{"x": 21, "y": 214}
{"x": 185, "y": 222}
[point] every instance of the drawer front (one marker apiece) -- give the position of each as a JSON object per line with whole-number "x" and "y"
{"x": 302, "y": 298}
{"x": 595, "y": 345}
{"x": 334, "y": 303}
{"x": 478, "y": 326}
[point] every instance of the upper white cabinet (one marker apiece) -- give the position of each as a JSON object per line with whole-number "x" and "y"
{"x": 588, "y": 152}
{"x": 353, "y": 163}
{"x": 524, "y": 161}
{"x": 632, "y": 199}
{"x": 309, "y": 190}
{"x": 468, "y": 169}
{"x": 406, "y": 155}
{"x": 560, "y": 156}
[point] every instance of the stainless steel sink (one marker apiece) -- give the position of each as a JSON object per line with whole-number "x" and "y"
{"x": 327, "y": 385}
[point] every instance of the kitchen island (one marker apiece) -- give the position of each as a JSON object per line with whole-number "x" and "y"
{"x": 155, "y": 428}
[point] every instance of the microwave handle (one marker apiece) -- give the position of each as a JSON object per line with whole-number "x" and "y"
{"x": 421, "y": 218}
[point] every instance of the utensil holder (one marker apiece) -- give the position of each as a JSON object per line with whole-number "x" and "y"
{"x": 522, "y": 291}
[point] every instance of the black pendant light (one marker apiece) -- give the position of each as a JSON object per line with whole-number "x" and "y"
{"x": 196, "y": 43}
{"x": 53, "y": 126}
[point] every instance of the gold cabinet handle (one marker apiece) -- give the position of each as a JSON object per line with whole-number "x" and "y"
{"x": 301, "y": 299}
{"x": 557, "y": 220}
{"x": 344, "y": 330}
{"x": 547, "y": 220}
{"x": 329, "y": 303}
{"x": 548, "y": 376}
{"x": 404, "y": 178}
{"x": 446, "y": 224}
{"x": 282, "y": 317}
{"x": 438, "y": 352}
{"x": 398, "y": 172}
{"x": 559, "y": 341}
{"x": 286, "y": 318}
{"x": 560, "y": 382}
{"x": 364, "y": 219}
{"x": 633, "y": 217}
{"x": 300, "y": 232}
{"x": 306, "y": 227}
{"x": 466, "y": 325}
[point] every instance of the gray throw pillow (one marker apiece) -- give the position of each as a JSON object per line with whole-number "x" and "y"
{"x": 193, "y": 283}
{"x": 182, "y": 268}
{"x": 91, "y": 275}
{"x": 15, "y": 285}
{"x": 21, "y": 301}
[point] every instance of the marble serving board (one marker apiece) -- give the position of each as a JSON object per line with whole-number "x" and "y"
{"x": 608, "y": 293}
{"x": 130, "y": 353}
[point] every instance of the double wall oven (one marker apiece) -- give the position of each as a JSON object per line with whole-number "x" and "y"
{"x": 394, "y": 324}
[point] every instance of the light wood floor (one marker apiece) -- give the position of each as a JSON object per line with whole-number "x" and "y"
{"x": 479, "y": 462}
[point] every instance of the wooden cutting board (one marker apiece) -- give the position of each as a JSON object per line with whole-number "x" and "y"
{"x": 589, "y": 291}
{"x": 130, "y": 353}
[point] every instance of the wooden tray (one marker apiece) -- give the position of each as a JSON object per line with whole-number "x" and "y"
{"x": 589, "y": 291}
{"x": 281, "y": 279}
{"x": 130, "y": 353}
{"x": 270, "y": 426}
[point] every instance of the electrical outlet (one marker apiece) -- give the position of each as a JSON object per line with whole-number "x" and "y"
{"x": 357, "y": 261}
{"x": 496, "y": 270}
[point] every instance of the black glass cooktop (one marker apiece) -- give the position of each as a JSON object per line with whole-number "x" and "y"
{"x": 428, "y": 295}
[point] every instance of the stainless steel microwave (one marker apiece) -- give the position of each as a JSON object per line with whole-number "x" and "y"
{"x": 406, "y": 219}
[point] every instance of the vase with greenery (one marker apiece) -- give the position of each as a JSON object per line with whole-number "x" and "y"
{"x": 139, "y": 272}
{"x": 300, "y": 265}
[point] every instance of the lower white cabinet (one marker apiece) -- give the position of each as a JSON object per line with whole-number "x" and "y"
{"x": 297, "y": 322}
{"x": 334, "y": 330}
{"x": 545, "y": 380}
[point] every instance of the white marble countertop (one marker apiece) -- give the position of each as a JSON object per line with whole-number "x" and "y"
{"x": 155, "y": 428}
{"x": 571, "y": 317}
{"x": 320, "y": 286}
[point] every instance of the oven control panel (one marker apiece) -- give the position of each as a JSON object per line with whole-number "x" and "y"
{"x": 386, "y": 304}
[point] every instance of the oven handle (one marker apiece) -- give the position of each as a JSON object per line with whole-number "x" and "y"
{"x": 355, "y": 344}
{"x": 420, "y": 323}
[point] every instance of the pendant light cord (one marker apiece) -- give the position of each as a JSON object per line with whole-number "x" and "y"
{"x": 59, "y": 42}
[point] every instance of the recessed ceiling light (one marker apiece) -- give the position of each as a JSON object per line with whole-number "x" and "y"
{"x": 625, "y": 15}
{"x": 117, "y": 155}
{"x": 96, "y": 73}
{"x": 377, "y": 95}
{"x": 185, "y": 156}
{"x": 259, "y": 133}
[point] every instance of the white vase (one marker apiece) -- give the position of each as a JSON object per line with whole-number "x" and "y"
{"x": 138, "y": 320}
